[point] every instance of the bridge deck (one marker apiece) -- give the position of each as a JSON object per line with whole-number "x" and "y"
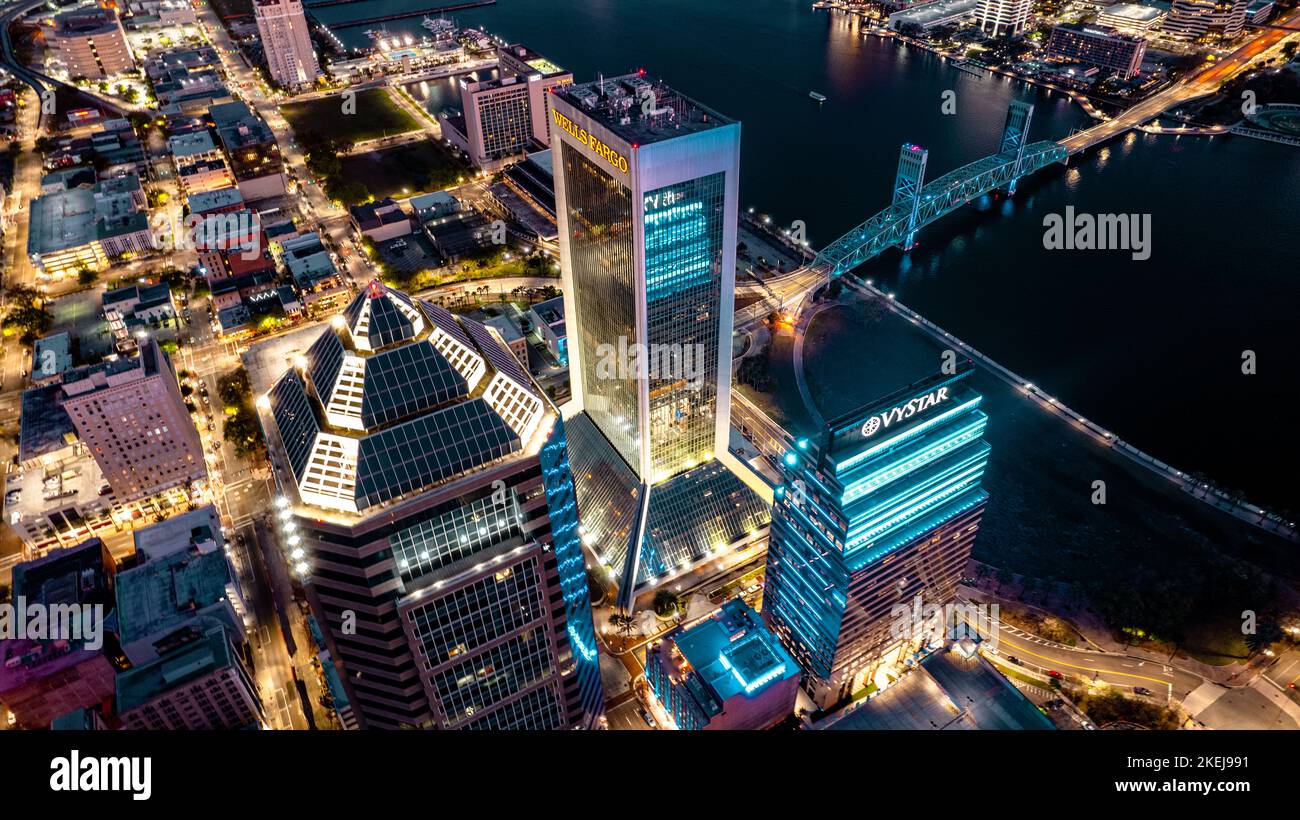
{"x": 938, "y": 198}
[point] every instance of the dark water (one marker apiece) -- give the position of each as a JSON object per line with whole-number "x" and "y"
{"x": 1150, "y": 349}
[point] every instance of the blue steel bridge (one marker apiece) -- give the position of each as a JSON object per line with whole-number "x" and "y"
{"x": 917, "y": 203}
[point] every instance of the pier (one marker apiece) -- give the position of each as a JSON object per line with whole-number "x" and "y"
{"x": 401, "y": 15}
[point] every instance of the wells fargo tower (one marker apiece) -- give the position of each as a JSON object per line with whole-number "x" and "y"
{"x": 646, "y": 184}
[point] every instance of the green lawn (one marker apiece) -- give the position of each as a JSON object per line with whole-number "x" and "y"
{"x": 376, "y": 116}
{"x": 404, "y": 170}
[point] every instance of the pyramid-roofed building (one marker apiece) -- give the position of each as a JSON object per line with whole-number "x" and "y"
{"x": 396, "y": 397}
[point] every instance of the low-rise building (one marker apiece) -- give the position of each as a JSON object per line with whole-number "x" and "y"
{"x": 548, "y": 320}
{"x": 725, "y": 672}
{"x": 510, "y": 336}
{"x": 381, "y": 220}
{"x": 138, "y": 309}
{"x": 86, "y": 227}
{"x": 933, "y": 14}
{"x": 1131, "y": 17}
{"x": 51, "y": 357}
{"x": 434, "y": 205}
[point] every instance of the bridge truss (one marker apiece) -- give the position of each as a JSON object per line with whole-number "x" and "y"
{"x": 918, "y": 203}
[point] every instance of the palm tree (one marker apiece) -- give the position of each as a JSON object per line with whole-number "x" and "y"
{"x": 1266, "y": 633}
{"x": 625, "y": 624}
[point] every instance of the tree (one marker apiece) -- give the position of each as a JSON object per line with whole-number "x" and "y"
{"x": 624, "y": 624}
{"x": 28, "y": 321}
{"x": 86, "y": 276}
{"x": 1267, "y": 632}
{"x": 666, "y": 604}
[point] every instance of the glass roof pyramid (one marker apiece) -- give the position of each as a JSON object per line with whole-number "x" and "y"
{"x": 398, "y": 396}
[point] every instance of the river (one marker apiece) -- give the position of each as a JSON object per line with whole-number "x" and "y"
{"x": 1151, "y": 349}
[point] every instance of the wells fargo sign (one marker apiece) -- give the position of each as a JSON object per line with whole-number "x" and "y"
{"x": 590, "y": 140}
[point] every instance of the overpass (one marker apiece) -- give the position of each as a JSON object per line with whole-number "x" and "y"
{"x": 1203, "y": 83}
{"x": 38, "y": 81}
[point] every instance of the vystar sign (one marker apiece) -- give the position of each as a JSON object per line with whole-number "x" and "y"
{"x": 894, "y": 415}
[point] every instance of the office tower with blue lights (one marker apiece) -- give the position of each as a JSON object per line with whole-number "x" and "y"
{"x": 646, "y": 189}
{"x": 879, "y": 508}
{"x": 428, "y": 503}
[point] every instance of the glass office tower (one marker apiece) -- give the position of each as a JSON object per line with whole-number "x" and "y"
{"x": 427, "y": 494}
{"x": 882, "y": 508}
{"x": 646, "y": 190}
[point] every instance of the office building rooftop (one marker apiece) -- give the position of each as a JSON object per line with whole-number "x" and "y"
{"x": 397, "y": 397}
{"x": 208, "y": 651}
{"x": 618, "y": 104}
{"x": 733, "y": 653}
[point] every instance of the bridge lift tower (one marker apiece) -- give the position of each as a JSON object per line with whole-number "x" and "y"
{"x": 908, "y": 183}
{"x": 1015, "y": 136}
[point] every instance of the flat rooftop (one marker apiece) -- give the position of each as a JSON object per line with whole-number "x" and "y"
{"x": 733, "y": 652}
{"x": 210, "y": 652}
{"x": 895, "y": 352}
{"x": 947, "y": 692}
{"x": 44, "y": 426}
{"x": 616, "y": 103}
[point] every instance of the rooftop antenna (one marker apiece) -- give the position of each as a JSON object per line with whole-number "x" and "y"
{"x": 602, "y": 83}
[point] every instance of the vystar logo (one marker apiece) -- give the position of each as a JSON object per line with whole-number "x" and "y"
{"x": 903, "y": 411}
{"x": 75, "y": 773}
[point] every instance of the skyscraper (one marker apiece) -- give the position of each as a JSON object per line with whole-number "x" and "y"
{"x": 429, "y": 500}
{"x": 879, "y": 509}
{"x": 286, "y": 41}
{"x": 132, "y": 418}
{"x": 1208, "y": 20}
{"x": 1002, "y": 18}
{"x": 646, "y": 190}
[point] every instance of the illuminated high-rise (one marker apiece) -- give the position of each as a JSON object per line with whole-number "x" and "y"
{"x": 1206, "y": 20}
{"x": 1002, "y": 18}
{"x": 877, "y": 511}
{"x": 286, "y": 41}
{"x": 646, "y": 190}
{"x": 427, "y": 497}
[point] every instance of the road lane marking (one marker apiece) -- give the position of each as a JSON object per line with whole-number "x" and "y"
{"x": 1057, "y": 662}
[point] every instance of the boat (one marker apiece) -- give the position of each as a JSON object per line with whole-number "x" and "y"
{"x": 439, "y": 26}
{"x": 818, "y": 97}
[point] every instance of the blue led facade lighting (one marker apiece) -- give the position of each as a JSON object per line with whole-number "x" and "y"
{"x": 726, "y": 671}
{"x": 882, "y": 508}
{"x": 562, "y": 504}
